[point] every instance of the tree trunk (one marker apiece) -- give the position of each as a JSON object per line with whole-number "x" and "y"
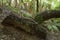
{"x": 2, "y": 3}
{"x": 15, "y": 3}
{"x": 9, "y": 2}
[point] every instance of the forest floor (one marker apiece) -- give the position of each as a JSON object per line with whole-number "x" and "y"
{"x": 10, "y": 33}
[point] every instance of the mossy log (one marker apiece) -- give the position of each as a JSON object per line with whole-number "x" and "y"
{"x": 48, "y": 14}
{"x": 30, "y": 25}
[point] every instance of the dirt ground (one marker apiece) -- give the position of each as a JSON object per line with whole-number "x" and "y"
{"x": 10, "y": 33}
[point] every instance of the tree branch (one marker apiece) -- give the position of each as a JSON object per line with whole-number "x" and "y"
{"x": 40, "y": 18}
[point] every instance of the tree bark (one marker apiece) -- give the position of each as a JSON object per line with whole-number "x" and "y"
{"x": 15, "y": 3}
{"x": 9, "y": 2}
{"x": 47, "y": 15}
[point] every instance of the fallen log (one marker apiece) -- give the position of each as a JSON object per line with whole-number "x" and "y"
{"x": 31, "y": 25}
{"x": 48, "y": 14}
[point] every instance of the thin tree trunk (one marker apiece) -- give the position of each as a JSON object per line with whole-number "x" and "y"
{"x": 2, "y": 3}
{"x": 15, "y": 3}
{"x": 37, "y": 5}
{"x": 9, "y": 2}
